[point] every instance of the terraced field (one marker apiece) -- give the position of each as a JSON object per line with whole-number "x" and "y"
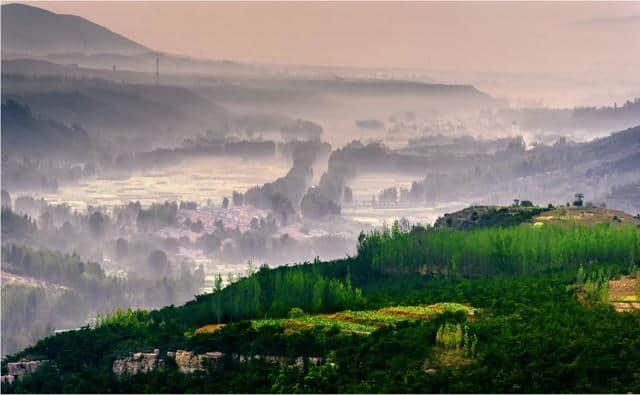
{"x": 364, "y": 321}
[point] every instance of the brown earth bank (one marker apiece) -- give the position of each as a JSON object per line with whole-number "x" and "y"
{"x": 624, "y": 294}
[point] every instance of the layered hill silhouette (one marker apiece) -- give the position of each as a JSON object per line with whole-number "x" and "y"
{"x": 27, "y": 29}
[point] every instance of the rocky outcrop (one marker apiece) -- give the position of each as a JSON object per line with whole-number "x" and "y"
{"x": 7, "y": 379}
{"x": 188, "y": 362}
{"x": 139, "y": 362}
{"x": 298, "y": 362}
{"x": 16, "y": 370}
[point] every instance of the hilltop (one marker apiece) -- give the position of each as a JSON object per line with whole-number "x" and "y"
{"x": 28, "y": 29}
{"x": 586, "y": 216}
{"x": 475, "y": 217}
{"x": 488, "y": 216}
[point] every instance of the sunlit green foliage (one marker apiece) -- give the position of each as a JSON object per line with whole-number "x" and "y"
{"x": 455, "y": 336}
{"x": 515, "y": 250}
{"x": 450, "y": 336}
{"x": 295, "y": 312}
{"x": 627, "y": 298}
{"x": 361, "y": 321}
{"x": 436, "y": 308}
{"x": 273, "y": 293}
{"x": 311, "y": 321}
{"x": 596, "y": 286}
{"x": 134, "y": 319}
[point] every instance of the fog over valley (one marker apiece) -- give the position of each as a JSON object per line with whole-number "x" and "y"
{"x": 150, "y": 188}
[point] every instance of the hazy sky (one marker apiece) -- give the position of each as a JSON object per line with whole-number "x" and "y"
{"x": 480, "y": 36}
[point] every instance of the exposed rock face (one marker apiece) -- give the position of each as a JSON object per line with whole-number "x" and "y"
{"x": 298, "y": 362}
{"x": 139, "y": 362}
{"x": 16, "y": 370}
{"x": 188, "y": 362}
{"x": 7, "y": 379}
{"x": 23, "y": 367}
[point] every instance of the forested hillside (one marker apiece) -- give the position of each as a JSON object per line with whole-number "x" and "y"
{"x": 24, "y": 133}
{"x": 537, "y": 320}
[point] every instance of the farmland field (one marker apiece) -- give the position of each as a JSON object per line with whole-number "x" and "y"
{"x": 364, "y": 321}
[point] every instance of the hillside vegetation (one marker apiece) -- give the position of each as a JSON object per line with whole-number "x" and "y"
{"x": 361, "y": 321}
{"x": 488, "y": 216}
{"x": 529, "y": 332}
{"x": 586, "y": 216}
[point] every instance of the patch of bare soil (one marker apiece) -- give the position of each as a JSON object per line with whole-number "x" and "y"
{"x": 624, "y": 294}
{"x": 625, "y": 286}
{"x": 293, "y": 325}
{"x": 452, "y": 359}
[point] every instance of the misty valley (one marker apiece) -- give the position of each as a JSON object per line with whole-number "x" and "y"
{"x": 176, "y": 224}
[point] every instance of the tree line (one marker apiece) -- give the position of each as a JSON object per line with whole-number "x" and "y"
{"x": 517, "y": 250}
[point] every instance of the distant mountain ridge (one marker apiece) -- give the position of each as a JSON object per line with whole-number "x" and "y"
{"x": 28, "y": 29}
{"x": 37, "y": 41}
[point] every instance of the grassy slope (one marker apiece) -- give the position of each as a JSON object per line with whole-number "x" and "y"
{"x": 488, "y": 216}
{"x": 585, "y": 216}
{"x": 500, "y": 216}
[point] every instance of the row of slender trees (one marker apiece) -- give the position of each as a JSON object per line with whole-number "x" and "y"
{"x": 514, "y": 250}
